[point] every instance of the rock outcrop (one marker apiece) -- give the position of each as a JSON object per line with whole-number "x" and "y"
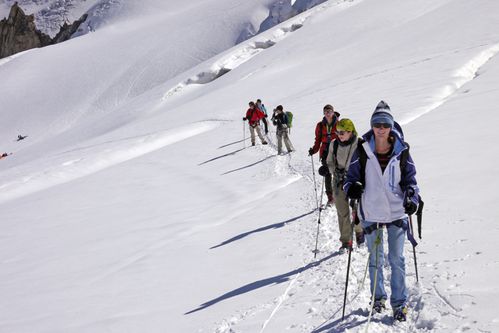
{"x": 19, "y": 33}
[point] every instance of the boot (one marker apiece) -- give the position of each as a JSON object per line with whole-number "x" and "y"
{"x": 330, "y": 199}
{"x": 400, "y": 313}
{"x": 359, "y": 238}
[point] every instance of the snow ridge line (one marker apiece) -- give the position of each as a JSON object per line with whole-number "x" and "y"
{"x": 467, "y": 73}
{"x": 241, "y": 54}
{"x": 62, "y": 168}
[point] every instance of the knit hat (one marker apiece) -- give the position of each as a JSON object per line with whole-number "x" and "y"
{"x": 382, "y": 115}
{"x": 328, "y": 107}
{"x": 346, "y": 124}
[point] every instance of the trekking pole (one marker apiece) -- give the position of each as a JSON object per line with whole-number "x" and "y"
{"x": 315, "y": 184}
{"x": 376, "y": 242}
{"x": 319, "y": 220}
{"x": 353, "y": 204}
{"x": 244, "y": 134}
{"x": 410, "y": 193}
{"x": 414, "y": 250}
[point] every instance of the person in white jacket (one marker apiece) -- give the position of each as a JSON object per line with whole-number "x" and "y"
{"x": 387, "y": 193}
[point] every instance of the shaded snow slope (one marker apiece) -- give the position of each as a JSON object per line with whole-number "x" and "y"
{"x": 137, "y": 203}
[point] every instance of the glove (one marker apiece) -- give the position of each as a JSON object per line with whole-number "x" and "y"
{"x": 311, "y": 151}
{"x": 266, "y": 116}
{"x": 355, "y": 190}
{"x": 324, "y": 171}
{"x": 410, "y": 207}
{"x": 244, "y": 118}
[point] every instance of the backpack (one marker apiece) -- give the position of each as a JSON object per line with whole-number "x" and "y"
{"x": 289, "y": 115}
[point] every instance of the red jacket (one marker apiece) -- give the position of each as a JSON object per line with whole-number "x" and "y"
{"x": 254, "y": 115}
{"x": 324, "y": 134}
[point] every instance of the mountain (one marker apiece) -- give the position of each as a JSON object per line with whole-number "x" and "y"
{"x": 136, "y": 203}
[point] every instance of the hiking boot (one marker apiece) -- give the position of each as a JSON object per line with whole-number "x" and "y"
{"x": 252, "y": 143}
{"x": 359, "y": 238}
{"x": 264, "y": 142}
{"x": 330, "y": 199}
{"x": 379, "y": 305}
{"x": 400, "y": 313}
{"x": 344, "y": 247}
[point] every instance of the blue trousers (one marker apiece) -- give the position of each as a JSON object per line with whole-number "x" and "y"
{"x": 396, "y": 239}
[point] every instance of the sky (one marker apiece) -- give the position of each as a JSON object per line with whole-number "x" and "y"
{"x": 137, "y": 204}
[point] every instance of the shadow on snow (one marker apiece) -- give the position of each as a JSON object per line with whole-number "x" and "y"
{"x": 248, "y": 166}
{"x": 261, "y": 283}
{"x": 221, "y": 156}
{"x": 268, "y": 227}
{"x": 353, "y": 319}
{"x": 232, "y": 143}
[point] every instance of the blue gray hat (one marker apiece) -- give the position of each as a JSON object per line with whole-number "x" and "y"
{"x": 382, "y": 115}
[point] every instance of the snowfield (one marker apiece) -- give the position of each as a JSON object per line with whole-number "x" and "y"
{"x": 137, "y": 203}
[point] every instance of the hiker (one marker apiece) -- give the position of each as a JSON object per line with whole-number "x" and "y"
{"x": 384, "y": 186}
{"x": 253, "y": 116}
{"x": 280, "y": 119}
{"x": 21, "y": 137}
{"x": 325, "y": 132}
{"x": 4, "y": 155}
{"x": 262, "y": 108}
{"x": 340, "y": 154}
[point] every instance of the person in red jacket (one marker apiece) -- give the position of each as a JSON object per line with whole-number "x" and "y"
{"x": 253, "y": 116}
{"x": 325, "y": 132}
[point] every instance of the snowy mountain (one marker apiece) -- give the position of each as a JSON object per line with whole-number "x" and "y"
{"x": 136, "y": 203}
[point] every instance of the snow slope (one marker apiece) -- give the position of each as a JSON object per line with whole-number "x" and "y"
{"x": 135, "y": 205}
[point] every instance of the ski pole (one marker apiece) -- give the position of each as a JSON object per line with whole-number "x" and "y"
{"x": 244, "y": 134}
{"x": 319, "y": 221}
{"x": 315, "y": 184}
{"x": 414, "y": 250}
{"x": 410, "y": 193}
{"x": 353, "y": 203}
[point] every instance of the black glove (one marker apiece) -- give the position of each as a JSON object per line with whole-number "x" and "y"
{"x": 324, "y": 171}
{"x": 311, "y": 151}
{"x": 410, "y": 207}
{"x": 244, "y": 118}
{"x": 266, "y": 116}
{"x": 355, "y": 190}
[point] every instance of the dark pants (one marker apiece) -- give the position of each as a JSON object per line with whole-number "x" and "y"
{"x": 265, "y": 125}
{"x": 328, "y": 179}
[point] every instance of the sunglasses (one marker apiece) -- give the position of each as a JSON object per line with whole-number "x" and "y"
{"x": 341, "y": 132}
{"x": 379, "y": 125}
{"x": 328, "y": 111}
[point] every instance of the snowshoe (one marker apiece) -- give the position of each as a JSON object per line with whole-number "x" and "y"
{"x": 400, "y": 313}
{"x": 379, "y": 306}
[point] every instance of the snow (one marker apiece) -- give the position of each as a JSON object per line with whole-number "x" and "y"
{"x": 135, "y": 205}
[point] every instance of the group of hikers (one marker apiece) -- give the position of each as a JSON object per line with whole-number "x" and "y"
{"x": 257, "y": 112}
{"x": 373, "y": 173}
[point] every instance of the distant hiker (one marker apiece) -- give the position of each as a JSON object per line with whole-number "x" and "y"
{"x": 4, "y": 155}
{"x": 253, "y": 116}
{"x": 388, "y": 192}
{"x": 21, "y": 137}
{"x": 325, "y": 132}
{"x": 280, "y": 119}
{"x": 262, "y": 108}
{"x": 338, "y": 160}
